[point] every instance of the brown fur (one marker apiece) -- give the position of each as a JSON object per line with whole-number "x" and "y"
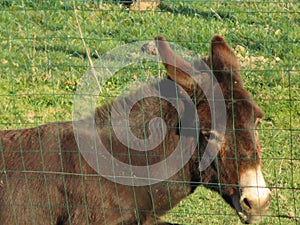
{"x": 45, "y": 180}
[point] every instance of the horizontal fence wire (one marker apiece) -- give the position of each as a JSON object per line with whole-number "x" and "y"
{"x": 49, "y": 47}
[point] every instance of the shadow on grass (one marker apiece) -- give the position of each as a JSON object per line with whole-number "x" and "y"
{"x": 74, "y": 53}
{"x": 189, "y": 11}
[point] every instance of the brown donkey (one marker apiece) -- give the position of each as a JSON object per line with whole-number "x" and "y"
{"x": 45, "y": 179}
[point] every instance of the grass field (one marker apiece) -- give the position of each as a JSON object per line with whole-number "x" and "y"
{"x": 43, "y": 58}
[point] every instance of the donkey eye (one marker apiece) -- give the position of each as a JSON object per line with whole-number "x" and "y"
{"x": 205, "y": 133}
{"x": 211, "y": 135}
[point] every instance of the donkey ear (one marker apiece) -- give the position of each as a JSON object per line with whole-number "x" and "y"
{"x": 178, "y": 69}
{"x": 222, "y": 59}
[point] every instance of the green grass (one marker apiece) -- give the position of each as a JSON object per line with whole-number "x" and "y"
{"x": 42, "y": 59}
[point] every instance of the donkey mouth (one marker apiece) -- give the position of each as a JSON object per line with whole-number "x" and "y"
{"x": 247, "y": 214}
{"x": 254, "y": 200}
{"x": 251, "y": 218}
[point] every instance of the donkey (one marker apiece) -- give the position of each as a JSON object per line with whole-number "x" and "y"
{"x": 45, "y": 179}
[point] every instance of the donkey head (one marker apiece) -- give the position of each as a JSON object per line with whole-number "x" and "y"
{"x": 236, "y": 172}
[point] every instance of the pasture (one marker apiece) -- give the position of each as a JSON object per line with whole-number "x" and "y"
{"x": 43, "y": 58}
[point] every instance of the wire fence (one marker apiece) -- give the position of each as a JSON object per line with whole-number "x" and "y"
{"x": 47, "y": 47}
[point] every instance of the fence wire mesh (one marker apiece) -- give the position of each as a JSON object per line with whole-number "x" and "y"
{"x": 47, "y": 47}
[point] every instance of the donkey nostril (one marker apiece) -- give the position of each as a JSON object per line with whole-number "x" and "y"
{"x": 247, "y": 203}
